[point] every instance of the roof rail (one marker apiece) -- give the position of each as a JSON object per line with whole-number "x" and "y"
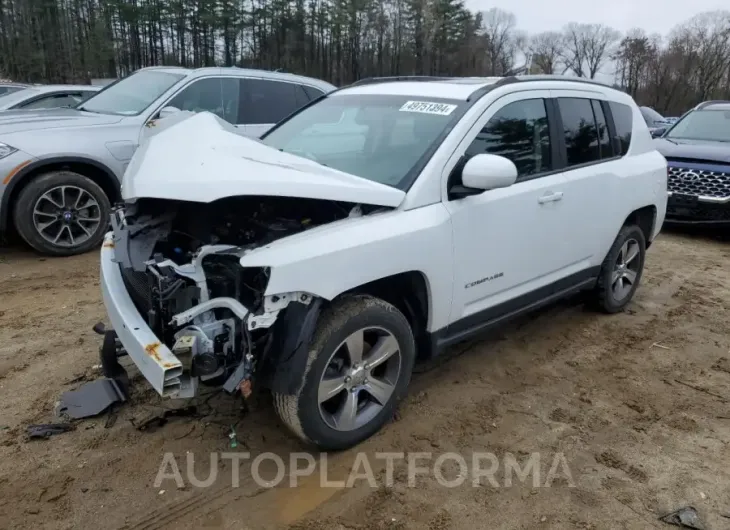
{"x": 390, "y": 79}
{"x": 711, "y": 102}
{"x": 483, "y": 90}
{"x": 557, "y": 77}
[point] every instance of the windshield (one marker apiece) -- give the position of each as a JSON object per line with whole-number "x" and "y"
{"x": 712, "y": 125}
{"x": 386, "y": 139}
{"x": 133, "y": 94}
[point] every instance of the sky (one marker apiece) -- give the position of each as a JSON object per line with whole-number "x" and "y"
{"x": 655, "y": 16}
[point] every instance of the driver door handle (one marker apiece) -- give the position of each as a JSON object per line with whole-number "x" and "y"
{"x": 551, "y": 197}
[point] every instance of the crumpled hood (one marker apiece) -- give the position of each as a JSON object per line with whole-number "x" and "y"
{"x": 202, "y": 159}
{"x": 15, "y": 121}
{"x": 718, "y": 152}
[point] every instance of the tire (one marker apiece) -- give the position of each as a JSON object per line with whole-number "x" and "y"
{"x": 605, "y": 297}
{"x": 302, "y": 412}
{"x": 84, "y": 235}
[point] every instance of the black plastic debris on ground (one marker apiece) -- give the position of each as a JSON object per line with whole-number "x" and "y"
{"x": 91, "y": 399}
{"x": 46, "y": 430}
{"x": 684, "y": 518}
{"x": 158, "y": 420}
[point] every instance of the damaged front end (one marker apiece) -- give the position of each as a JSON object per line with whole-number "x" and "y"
{"x": 187, "y": 312}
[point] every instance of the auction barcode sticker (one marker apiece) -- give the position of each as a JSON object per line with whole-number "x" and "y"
{"x": 427, "y": 107}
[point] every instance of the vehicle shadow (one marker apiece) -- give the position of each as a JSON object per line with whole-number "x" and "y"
{"x": 709, "y": 233}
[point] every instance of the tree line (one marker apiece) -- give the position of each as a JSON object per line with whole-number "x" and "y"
{"x": 61, "y": 41}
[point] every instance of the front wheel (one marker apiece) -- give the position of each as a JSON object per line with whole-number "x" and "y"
{"x": 621, "y": 270}
{"x": 359, "y": 368}
{"x": 62, "y": 213}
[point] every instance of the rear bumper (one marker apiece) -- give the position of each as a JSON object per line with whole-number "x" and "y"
{"x": 692, "y": 210}
{"x": 155, "y": 361}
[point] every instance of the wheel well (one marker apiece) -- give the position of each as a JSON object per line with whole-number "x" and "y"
{"x": 408, "y": 292}
{"x": 106, "y": 180}
{"x": 644, "y": 218}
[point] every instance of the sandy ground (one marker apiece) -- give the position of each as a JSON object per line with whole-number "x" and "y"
{"x": 636, "y": 403}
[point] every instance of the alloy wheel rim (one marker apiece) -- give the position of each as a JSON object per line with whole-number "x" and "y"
{"x": 359, "y": 378}
{"x": 626, "y": 270}
{"x": 66, "y": 216}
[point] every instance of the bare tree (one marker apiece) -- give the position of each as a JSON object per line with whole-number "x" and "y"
{"x": 546, "y": 49}
{"x": 587, "y": 46}
{"x": 497, "y": 30}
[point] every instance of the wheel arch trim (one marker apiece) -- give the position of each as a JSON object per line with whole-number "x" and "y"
{"x": 25, "y": 173}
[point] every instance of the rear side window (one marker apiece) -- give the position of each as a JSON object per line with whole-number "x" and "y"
{"x": 623, "y": 120}
{"x": 604, "y": 140}
{"x": 519, "y": 132}
{"x": 267, "y": 102}
{"x": 580, "y": 130}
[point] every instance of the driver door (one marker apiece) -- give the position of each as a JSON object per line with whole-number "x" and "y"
{"x": 508, "y": 242}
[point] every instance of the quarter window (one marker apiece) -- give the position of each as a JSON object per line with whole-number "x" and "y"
{"x": 579, "y": 128}
{"x": 218, "y": 95}
{"x": 623, "y": 119}
{"x": 267, "y": 102}
{"x": 519, "y": 132}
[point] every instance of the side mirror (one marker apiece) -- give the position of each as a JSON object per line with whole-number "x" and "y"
{"x": 484, "y": 172}
{"x": 656, "y": 133}
{"x": 168, "y": 111}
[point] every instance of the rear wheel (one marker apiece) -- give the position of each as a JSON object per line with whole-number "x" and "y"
{"x": 621, "y": 270}
{"x": 62, "y": 213}
{"x": 359, "y": 367}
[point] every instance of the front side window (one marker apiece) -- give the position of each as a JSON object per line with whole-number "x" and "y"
{"x": 518, "y": 131}
{"x": 265, "y": 102}
{"x": 383, "y": 138}
{"x": 218, "y": 95}
{"x": 707, "y": 124}
{"x": 133, "y": 94}
{"x": 579, "y": 128}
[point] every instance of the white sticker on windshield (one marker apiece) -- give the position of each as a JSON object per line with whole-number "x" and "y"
{"x": 427, "y": 107}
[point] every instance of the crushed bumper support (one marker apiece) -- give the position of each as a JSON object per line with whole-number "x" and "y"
{"x": 157, "y": 363}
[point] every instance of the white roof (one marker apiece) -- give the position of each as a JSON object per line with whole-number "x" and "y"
{"x": 456, "y": 88}
{"x": 460, "y": 88}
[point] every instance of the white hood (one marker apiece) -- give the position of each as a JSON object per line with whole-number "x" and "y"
{"x": 203, "y": 158}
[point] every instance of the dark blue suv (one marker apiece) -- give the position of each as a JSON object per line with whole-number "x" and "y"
{"x": 697, "y": 149}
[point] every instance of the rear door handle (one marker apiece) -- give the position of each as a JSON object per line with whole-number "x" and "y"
{"x": 551, "y": 197}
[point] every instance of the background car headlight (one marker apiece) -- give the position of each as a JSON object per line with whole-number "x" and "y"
{"x": 6, "y": 150}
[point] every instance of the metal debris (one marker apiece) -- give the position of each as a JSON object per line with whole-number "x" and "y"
{"x": 46, "y": 430}
{"x": 91, "y": 399}
{"x": 685, "y": 518}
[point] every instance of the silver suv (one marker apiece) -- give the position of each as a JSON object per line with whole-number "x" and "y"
{"x": 60, "y": 169}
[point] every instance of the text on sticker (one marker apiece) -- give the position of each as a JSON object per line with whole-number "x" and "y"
{"x": 427, "y": 107}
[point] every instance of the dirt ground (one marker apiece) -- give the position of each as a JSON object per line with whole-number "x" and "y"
{"x": 637, "y": 403}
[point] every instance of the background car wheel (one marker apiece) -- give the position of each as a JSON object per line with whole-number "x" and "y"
{"x": 62, "y": 213}
{"x": 621, "y": 270}
{"x": 359, "y": 367}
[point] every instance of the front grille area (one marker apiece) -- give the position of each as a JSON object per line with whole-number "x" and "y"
{"x": 699, "y": 182}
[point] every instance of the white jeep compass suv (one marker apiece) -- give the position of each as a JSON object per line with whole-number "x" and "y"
{"x": 372, "y": 228}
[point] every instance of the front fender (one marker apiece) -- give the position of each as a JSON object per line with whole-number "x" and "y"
{"x": 336, "y": 258}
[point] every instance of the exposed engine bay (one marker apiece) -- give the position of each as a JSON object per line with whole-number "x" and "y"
{"x": 180, "y": 263}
